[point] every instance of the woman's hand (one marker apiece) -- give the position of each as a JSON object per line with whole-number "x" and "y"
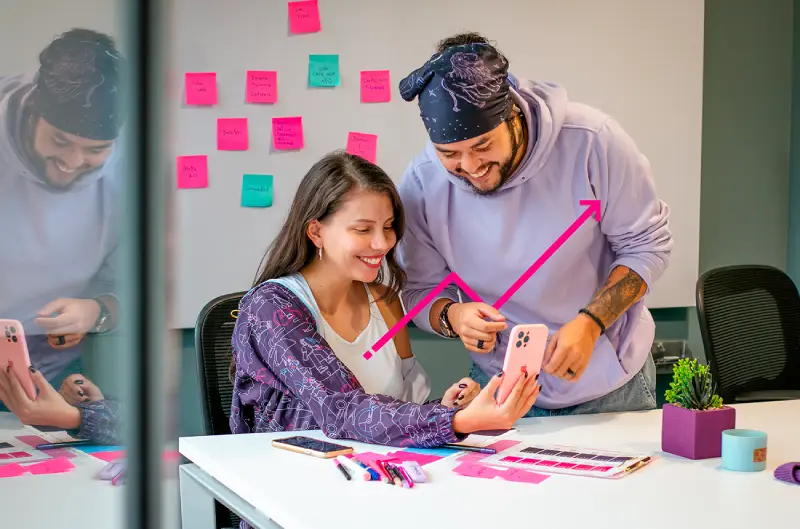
{"x": 48, "y": 409}
{"x": 461, "y": 393}
{"x": 485, "y": 414}
{"x": 78, "y": 388}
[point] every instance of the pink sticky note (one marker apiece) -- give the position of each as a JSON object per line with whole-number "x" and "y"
{"x": 52, "y": 466}
{"x": 523, "y": 476}
{"x": 192, "y": 172}
{"x": 475, "y": 470}
{"x": 304, "y": 17}
{"x": 11, "y": 471}
{"x": 232, "y": 134}
{"x": 287, "y": 133}
{"x": 109, "y": 456}
{"x": 262, "y": 86}
{"x": 375, "y": 86}
{"x": 364, "y": 145}
{"x": 201, "y": 88}
{"x": 422, "y": 459}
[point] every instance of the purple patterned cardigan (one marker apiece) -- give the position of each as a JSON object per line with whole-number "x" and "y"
{"x": 288, "y": 378}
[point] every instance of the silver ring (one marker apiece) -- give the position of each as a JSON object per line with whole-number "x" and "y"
{"x": 570, "y": 372}
{"x": 480, "y": 344}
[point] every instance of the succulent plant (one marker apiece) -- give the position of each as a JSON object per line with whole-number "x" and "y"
{"x": 692, "y": 386}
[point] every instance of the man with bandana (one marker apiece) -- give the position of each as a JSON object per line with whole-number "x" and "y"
{"x": 60, "y": 183}
{"x": 508, "y": 163}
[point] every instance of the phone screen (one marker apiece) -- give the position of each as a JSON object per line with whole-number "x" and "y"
{"x": 311, "y": 444}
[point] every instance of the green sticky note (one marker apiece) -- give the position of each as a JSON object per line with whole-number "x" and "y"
{"x": 256, "y": 190}
{"x": 323, "y": 70}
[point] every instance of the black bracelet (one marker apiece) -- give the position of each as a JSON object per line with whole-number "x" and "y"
{"x": 595, "y": 318}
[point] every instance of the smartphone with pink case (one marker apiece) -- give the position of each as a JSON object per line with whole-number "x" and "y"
{"x": 14, "y": 348}
{"x": 526, "y": 346}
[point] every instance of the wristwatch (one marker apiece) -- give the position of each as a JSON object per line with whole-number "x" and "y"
{"x": 444, "y": 323}
{"x": 103, "y": 318}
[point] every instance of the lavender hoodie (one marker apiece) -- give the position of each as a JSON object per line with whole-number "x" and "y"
{"x": 56, "y": 243}
{"x": 574, "y": 153}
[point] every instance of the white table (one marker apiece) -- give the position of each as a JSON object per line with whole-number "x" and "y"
{"x": 271, "y": 487}
{"x": 73, "y": 500}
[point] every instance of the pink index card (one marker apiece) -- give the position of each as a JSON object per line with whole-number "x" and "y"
{"x": 11, "y": 471}
{"x": 364, "y": 145}
{"x": 287, "y": 133}
{"x": 523, "y": 476}
{"x": 52, "y": 466}
{"x": 422, "y": 459}
{"x": 262, "y": 87}
{"x": 232, "y": 134}
{"x": 304, "y": 17}
{"x": 201, "y": 88}
{"x": 375, "y": 86}
{"x": 192, "y": 172}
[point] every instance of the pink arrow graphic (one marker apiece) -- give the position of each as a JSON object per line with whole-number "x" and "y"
{"x": 593, "y": 208}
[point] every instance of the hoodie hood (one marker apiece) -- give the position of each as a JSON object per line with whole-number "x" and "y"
{"x": 545, "y": 108}
{"x": 15, "y": 93}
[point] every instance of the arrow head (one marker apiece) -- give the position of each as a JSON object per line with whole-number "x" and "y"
{"x": 593, "y": 207}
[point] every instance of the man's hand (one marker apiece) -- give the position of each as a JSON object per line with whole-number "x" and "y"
{"x": 571, "y": 348}
{"x": 68, "y": 316}
{"x": 469, "y": 321}
{"x": 48, "y": 409}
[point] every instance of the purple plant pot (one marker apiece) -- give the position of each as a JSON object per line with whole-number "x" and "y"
{"x": 695, "y": 434}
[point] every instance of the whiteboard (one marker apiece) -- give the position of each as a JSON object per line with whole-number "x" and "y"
{"x": 639, "y": 60}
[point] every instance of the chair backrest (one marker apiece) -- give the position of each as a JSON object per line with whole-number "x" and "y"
{"x": 749, "y": 318}
{"x": 212, "y": 338}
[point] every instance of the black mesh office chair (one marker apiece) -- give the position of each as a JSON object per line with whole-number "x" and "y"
{"x": 212, "y": 340}
{"x": 750, "y": 322}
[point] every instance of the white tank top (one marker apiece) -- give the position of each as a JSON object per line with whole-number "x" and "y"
{"x": 385, "y": 373}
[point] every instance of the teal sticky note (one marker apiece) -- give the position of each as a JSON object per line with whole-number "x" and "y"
{"x": 323, "y": 70}
{"x": 256, "y": 190}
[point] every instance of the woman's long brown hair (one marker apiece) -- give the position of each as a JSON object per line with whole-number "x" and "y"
{"x": 321, "y": 193}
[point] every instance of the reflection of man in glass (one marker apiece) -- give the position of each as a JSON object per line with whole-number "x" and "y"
{"x": 60, "y": 182}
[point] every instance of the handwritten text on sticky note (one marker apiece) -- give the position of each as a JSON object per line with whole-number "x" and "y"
{"x": 262, "y": 87}
{"x": 192, "y": 172}
{"x": 287, "y": 133}
{"x": 364, "y": 145}
{"x": 232, "y": 134}
{"x": 304, "y": 17}
{"x": 375, "y": 86}
{"x": 201, "y": 88}
{"x": 323, "y": 70}
{"x": 256, "y": 190}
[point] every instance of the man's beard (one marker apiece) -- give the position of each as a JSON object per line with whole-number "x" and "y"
{"x": 505, "y": 169}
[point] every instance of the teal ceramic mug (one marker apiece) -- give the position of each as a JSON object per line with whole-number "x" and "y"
{"x": 744, "y": 450}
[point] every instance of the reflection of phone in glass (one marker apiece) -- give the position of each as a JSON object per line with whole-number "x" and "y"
{"x": 526, "y": 346}
{"x": 312, "y": 447}
{"x": 14, "y": 349}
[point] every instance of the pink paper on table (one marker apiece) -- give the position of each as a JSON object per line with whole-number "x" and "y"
{"x": 34, "y": 440}
{"x": 192, "y": 172}
{"x": 478, "y": 470}
{"x": 232, "y": 134}
{"x": 304, "y": 17}
{"x": 287, "y": 133}
{"x": 11, "y": 471}
{"x": 52, "y": 466}
{"x": 109, "y": 456}
{"x": 375, "y": 86}
{"x": 262, "y": 87}
{"x": 364, "y": 145}
{"x": 201, "y": 88}
{"x": 422, "y": 459}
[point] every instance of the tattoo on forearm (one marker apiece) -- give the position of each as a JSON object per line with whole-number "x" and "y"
{"x": 622, "y": 289}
